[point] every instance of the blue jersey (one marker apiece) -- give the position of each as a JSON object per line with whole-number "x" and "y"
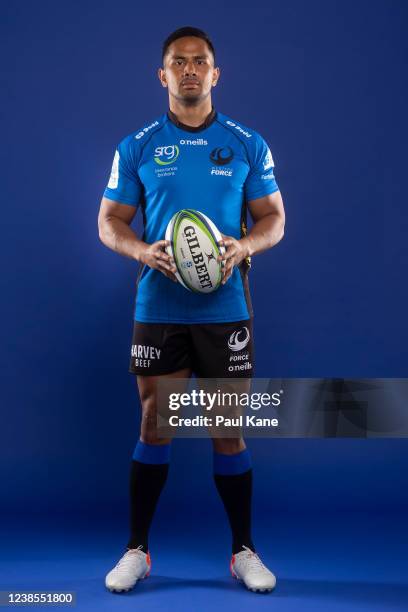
{"x": 217, "y": 169}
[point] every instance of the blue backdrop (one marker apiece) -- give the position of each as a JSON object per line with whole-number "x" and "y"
{"x": 325, "y": 83}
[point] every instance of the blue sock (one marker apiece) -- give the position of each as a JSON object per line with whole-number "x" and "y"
{"x": 151, "y": 453}
{"x": 233, "y": 479}
{"x": 227, "y": 465}
{"x": 148, "y": 476}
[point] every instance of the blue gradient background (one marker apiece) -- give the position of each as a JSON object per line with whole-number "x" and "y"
{"x": 325, "y": 83}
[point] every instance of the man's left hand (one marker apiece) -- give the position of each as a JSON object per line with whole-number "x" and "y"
{"x": 235, "y": 252}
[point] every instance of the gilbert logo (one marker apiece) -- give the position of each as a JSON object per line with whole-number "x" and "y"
{"x": 238, "y": 339}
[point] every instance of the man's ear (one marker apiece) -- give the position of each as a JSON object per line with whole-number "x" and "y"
{"x": 162, "y": 77}
{"x": 216, "y": 76}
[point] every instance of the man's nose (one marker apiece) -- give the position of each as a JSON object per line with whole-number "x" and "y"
{"x": 189, "y": 69}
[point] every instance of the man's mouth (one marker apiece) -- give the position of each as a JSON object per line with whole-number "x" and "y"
{"x": 190, "y": 83}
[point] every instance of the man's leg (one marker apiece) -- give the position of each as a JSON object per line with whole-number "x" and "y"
{"x": 147, "y": 478}
{"x": 150, "y": 463}
{"x": 223, "y": 359}
{"x": 233, "y": 479}
{"x": 158, "y": 351}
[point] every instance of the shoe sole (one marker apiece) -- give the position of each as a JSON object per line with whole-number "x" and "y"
{"x": 114, "y": 590}
{"x": 254, "y": 590}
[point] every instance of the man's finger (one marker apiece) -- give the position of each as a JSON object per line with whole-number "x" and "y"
{"x": 226, "y": 278}
{"x": 171, "y": 276}
{"x": 167, "y": 266}
{"x": 161, "y": 243}
{"x": 228, "y": 271}
{"x": 165, "y": 272}
{"x": 229, "y": 254}
{"x": 161, "y": 265}
{"x": 163, "y": 256}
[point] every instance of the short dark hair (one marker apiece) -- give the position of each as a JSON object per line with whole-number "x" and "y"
{"x": 187, "y": 31}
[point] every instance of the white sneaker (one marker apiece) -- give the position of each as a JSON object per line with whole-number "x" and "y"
{"x": 133, "y": 566}
{"x": 248, "y": 567}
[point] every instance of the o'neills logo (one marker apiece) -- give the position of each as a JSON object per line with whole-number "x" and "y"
{"x": 198, "y": 259}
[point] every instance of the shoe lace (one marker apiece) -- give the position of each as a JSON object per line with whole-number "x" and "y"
{"x": 128, "y": 558}
{"x": 252, "y": 560}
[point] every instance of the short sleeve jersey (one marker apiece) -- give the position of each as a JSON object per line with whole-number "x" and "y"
{"x": 217, "y": 169}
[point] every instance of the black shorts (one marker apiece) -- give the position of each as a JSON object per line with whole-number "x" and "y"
{"x": 210, "y": 350}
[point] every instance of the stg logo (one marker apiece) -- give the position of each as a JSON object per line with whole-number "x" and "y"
{"x": 166, "y": 155}
{"x": 238, "y": 339}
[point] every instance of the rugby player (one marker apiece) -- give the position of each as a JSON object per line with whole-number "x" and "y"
{"x": 192, "y": 156}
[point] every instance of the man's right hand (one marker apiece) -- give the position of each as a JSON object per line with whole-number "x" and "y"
{"x": 114, "y": 221}
{"x": 155, "y": 256}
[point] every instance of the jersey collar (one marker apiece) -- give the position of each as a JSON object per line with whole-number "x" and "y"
{"x": 189, "y": 128}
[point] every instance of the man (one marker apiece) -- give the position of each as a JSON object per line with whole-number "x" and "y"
{"x": 190, "y": 157}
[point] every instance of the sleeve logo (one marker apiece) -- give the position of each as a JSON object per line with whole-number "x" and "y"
{"x": 268, "y": 161}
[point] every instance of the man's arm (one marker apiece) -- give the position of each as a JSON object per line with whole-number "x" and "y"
{"x": 268, "y": 215}
{"x": 114, "y": 221}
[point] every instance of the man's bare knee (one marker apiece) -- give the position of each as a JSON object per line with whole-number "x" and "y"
{"x": 148, "y": 428}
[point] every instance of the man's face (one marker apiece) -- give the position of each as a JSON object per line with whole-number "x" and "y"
{"x": 188, "y": 70}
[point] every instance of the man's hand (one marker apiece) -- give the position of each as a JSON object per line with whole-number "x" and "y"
{"x": 268, "y": 216}
{"x": 154, "y": 256}
{"x": 235, "y": 252}
{"x": 115, "y": 232}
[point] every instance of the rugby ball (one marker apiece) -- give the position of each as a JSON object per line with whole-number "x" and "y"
{"x": 193, "y": 239}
